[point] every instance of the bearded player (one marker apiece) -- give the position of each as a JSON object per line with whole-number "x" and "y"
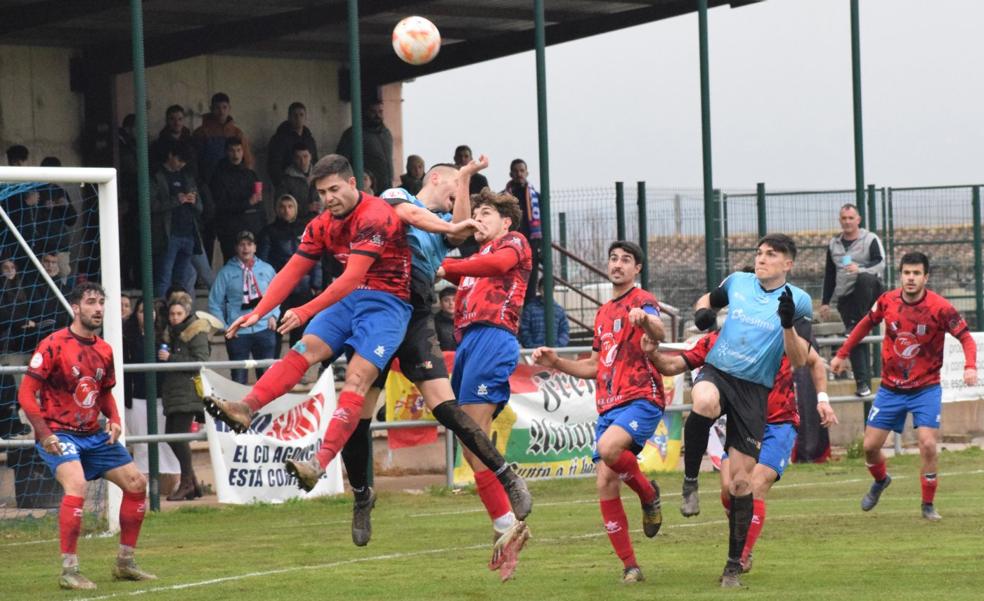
{"x": 916, "y": 322}
{"x": 70, "y": 381}
{"x": 629, "y": 399}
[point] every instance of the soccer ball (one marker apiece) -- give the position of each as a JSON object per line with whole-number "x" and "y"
{"x": 416, "y": 40}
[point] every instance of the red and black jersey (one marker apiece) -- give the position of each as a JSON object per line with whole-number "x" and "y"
{"x": 492, "y": 300}
{"x": 912, "y": 353}
{"x": 372, "y": 229}
{"x": 782, "y": 398}
{"x": 74, "y": 373}
{"x": 625, "y": 373}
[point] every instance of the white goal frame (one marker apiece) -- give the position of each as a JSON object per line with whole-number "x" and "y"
{"x": 109, "y": 267}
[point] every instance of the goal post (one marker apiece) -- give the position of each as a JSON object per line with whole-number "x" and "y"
{"x": 109, "y": 269}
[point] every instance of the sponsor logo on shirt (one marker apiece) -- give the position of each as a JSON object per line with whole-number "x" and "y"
{"x": 37, "y": 361}
{"x": 755, "y": 322}
{"x": 906, "y": 345}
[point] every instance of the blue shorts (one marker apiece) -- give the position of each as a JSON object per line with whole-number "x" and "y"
{"x": 96, "y": 456}
{"x": 368, "y": 322}
{"x": 638, "y": 418}
{"x": 483, "y": 362}
{"x": 889, "y": 409}
{"x": 777, "y": 447}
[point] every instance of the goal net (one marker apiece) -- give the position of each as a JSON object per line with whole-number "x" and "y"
{"x": 58, "y": 227}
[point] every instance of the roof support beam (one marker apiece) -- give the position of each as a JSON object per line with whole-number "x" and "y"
{"x": 36, "y": 14}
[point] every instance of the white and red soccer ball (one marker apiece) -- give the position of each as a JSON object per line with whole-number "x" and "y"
{"x": 416, "y": 40}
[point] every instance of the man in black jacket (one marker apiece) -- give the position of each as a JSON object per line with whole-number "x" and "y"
{"x": 238, "y": 196}
{"x": 290, "y": 133}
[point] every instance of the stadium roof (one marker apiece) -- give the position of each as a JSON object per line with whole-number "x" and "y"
{"x": 473, "y": 31}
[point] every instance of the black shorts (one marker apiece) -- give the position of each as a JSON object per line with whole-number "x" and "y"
{"x": 420, "y": 353}
{"x": 746, "y": 405}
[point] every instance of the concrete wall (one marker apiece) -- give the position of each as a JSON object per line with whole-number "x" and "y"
{"x": 37, "y": 108}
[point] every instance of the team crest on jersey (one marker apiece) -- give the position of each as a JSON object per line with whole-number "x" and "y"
{"x": 86, "y": 392}
{"x": 921, "y": 329}
{"x": 906, "y": 345}
{"x": 37, "y": 361}
{"x": 617, "y": 325}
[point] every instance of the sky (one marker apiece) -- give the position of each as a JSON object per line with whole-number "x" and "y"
{"x": 626, "y": 105}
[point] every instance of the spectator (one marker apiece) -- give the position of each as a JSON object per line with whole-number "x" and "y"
{"x": 126, "y": 307}
{"x": 210, "y": 137}
{"x": 377, "y": 146}
{"x": 17, "y": 155}
{"x": 176, "y": 210}
{"x": 413, "y": 180}
{"x": 444, "y": 319}
{"x": 52, "y": 266}
{"x": 368, "y": 181}
{"x": 529, "y": 226}
{"x": 283, "y": 145}
{"x": 854, "y": 274}
{"x": 135, "y": 393}
{"x": 174, "y": 132}
{"x": 22, "y": 208}
{"x": 533, "y": 322}
{"x": 55, "y": 218}
{"x": 277, "y": 244}
{"x": 187, "y": 340}
{"x": 463, "y": 156}
{"x": 238, "y": 288}
{"x": 16, "y": 327}
{"x": 295, "y": 181}
{"x": 238, "y": 194}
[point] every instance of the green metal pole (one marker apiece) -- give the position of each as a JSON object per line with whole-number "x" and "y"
{"x": 872, "y": 224}
{"x": 763, "y": 227}
{"x": 858, "y": 130}
{"x": 710, "y": 246}
{"x": 619, "y": 211}
{"x": 891, "y": 241}
{"x": 540, "y": 39}
{"x": 146, "y": 256}
{"x": 978, "y": 260}
{"x": 643, "y": 233}
{"x": 562, "y": 224}
{"x": 355, "y": 84}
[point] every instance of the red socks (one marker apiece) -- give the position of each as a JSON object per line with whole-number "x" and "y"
{"x": 278, "y": 380}
{"x": 70, "y": 522}
{"x": 492, "y": 493}
{"x": 617, "y": 526}
{"x": 131, "y": 516}
{"x": 344, "y": 421}
{"x": 929, "y": 483}
{"x": 878, "y": 471}
{"x": 627, "y": 468}
{"x": 755, "y": 528}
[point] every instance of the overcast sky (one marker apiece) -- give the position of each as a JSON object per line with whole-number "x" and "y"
{"x": 626, "y": 105}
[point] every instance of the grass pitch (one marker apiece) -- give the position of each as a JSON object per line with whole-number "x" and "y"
{"x": 816, "y": 544}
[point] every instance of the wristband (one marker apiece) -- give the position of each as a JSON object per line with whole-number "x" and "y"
{"x": 823, "y": 398}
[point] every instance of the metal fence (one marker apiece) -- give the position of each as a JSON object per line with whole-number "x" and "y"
{"x": 942, "y": 221}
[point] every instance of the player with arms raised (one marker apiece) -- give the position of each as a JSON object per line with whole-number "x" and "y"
{"x": 629, "y": 399}
{"x": 69, "y": 384}
{"x": 916, "y": 322}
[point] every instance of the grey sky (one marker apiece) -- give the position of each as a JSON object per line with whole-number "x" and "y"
{"x": 626, "y": 105}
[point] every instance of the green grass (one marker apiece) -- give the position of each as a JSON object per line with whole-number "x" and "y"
{"x": 817, "y": 544}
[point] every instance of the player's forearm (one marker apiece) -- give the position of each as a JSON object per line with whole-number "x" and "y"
{"x": 462, "y": 198}
{"x": 653, "y": 326}
{"x": 796, "y": 348}
{"x": 354, "y": 274}
{"x": 668, "y": 365}
{"x": 857, "y": 335}
{"x": 27, "y": 397}
{"x": 480, "y": 266}
{"x": 107, "y": 404}
{"x": 283, "y": 284}
{"x": 422, "y": 219}
{"x": 818, "y": 371}
{"x": 969, "y": 348}
{"x": 586, "y": 369}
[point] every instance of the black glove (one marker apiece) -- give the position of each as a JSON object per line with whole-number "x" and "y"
{"x": 705, "y": 319}
{"x": 787, "y": 308}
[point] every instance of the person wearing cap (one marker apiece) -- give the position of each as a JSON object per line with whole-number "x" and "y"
{"x": 237, "y": 290}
